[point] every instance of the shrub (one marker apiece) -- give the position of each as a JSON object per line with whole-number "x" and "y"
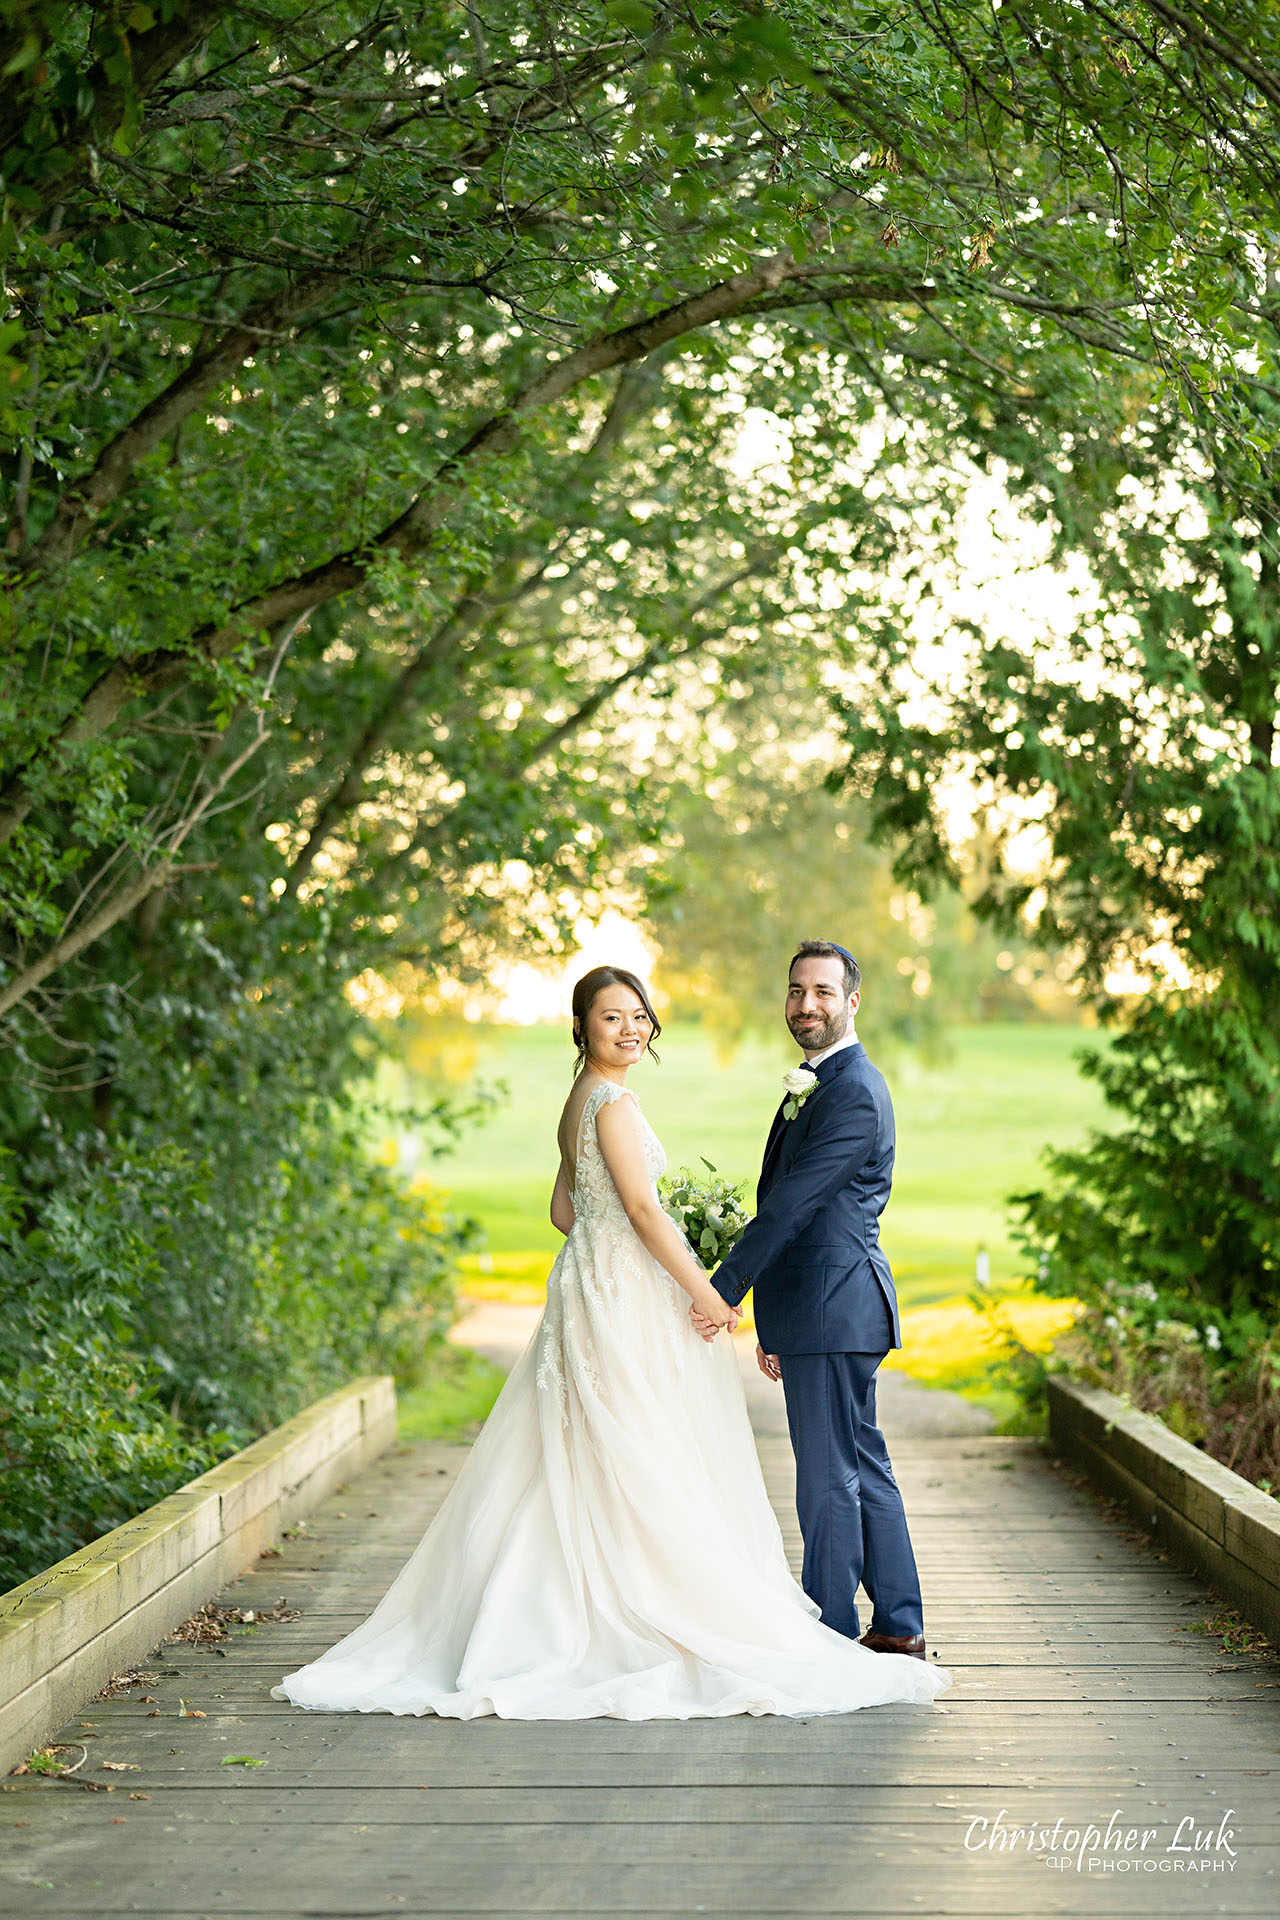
{"x": 166, "y": 1307}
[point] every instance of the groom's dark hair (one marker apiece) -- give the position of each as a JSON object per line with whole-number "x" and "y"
{"x": 828, "y": 950}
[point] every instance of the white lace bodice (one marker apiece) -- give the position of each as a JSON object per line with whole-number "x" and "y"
{"x": 603, "y": 1268}
{"x": 596, "y": 1203}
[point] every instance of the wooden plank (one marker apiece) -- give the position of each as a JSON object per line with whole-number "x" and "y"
{"x": 1076, "y": 1693}
{"x": 523, "y": 1870}
{"x": 393, "y": 1804}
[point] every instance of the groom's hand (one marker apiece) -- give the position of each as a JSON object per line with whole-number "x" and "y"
{"x": 768, "y": 1363}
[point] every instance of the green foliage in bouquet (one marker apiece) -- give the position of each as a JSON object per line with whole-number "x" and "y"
{"x": 710, "y": 1213}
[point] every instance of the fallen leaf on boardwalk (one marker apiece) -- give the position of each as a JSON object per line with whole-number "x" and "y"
{"x": 210, "y": 1624}
{"x": 119, "y": 1766}
{"x": 190, "y": 1713}
{"x": 240, "y": 1760}
{"x": 122, "y": 1683}
{"x": 139, "y": 1796}
{"x": 154, "y": 1714}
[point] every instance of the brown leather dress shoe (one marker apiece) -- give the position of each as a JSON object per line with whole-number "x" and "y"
{"x": 911, "y": 1644}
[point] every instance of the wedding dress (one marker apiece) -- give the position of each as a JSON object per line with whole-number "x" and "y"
{"x": 608, "y": 1547}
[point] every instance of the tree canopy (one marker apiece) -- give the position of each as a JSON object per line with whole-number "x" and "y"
{"x": 319, "y": 308}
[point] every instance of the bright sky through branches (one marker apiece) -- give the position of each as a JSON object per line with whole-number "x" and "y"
{"x": 532, "y": 993}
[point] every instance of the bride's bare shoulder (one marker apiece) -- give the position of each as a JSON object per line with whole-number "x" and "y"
{"x": 571, "y": 1114}
{"x": 575, "y": 1106}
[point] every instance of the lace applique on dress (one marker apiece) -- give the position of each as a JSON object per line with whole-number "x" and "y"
{"x": 550, "y": 1374}
{"x": 603, "y": 1270}
{"x": 594, "y": 1195}
{"x": 599, "y": 1215}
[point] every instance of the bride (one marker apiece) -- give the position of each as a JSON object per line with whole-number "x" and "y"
{"x": 608, "y": 1547}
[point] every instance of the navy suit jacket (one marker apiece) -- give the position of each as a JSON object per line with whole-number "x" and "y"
{"x": 812, "y": 1253}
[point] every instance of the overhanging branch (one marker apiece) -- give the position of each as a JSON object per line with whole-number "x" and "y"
{"x": 410, "y": 535}
{"x": 118, "y": 908}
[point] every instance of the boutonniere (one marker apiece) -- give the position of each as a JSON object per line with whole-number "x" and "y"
{"x": 799, "y": 1083}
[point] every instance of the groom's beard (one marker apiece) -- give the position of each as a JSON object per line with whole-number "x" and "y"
{"x": 824, "y": 1032}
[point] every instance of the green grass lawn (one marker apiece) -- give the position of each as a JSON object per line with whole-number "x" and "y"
{"x": 452, "y": 1401}
{"x": 970, "y": 1132}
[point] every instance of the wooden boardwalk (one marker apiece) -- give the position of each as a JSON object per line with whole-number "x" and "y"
{"x": 1078, "y": 1691}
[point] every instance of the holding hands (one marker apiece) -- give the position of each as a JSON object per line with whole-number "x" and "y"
{"x": 719, "y": 1314}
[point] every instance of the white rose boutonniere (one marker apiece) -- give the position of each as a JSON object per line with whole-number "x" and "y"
{"x": 799, "y": 1083}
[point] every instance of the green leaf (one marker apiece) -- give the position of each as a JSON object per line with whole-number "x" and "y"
{"x": 26, "y": 56}
{"x": 631, "y": 13}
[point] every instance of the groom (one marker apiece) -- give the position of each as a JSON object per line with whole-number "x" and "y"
{"x": 825, "y": 1307}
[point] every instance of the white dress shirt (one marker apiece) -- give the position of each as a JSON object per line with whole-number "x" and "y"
{"x": 849, "y": 1039}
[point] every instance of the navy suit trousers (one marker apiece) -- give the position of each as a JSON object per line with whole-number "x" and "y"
{"x": 851, "y": 1517}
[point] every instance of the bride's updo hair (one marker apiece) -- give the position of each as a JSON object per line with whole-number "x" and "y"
{"x": 584, "y": 994}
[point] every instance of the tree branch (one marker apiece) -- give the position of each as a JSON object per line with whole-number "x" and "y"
{"x": 119, "y": 907}
{"x": 34, "y": 142}
{"x": 81, "y": 504}
{"x": 1214, "y": 38}
{"x": 636, "y": 390}
{"x": 462, "y": 620}
{"x": 766, "y": 553}
{"x": 411, "y": 533}
{"x": 273, "y": 318}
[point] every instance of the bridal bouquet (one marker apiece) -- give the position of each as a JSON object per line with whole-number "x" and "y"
{"x": 710, "y": 1213}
